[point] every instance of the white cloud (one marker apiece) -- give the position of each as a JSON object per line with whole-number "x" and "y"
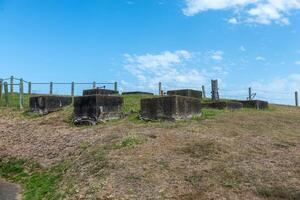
{"x": 217, "y": 55}
{"x": 297, "y": 62}
{"x": 242, "y": 48}
{"x": 233, "y": 21}
{"x": 252, "y": 11}
{"x": 260, "y": 58}
{"x": 177, "y": 69}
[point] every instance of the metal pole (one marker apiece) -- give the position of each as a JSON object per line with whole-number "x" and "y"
{"x": 12, "y": 84}
{"x": 6, "y": 94}
{"x": 250, "y": 93}
{"x": 214, "y": 92}
{"x": 159, "y": 88}
{"x": 21, "y": 92}
{"x": 94, "y": 85}
{"x": 51, "y": 88}
{"x": 203, "y": 92}
{"x": 296, "y": 99}
{"x": 1, "y": 88}
{"x": 116, "y": 86}
{"x": 29, "y": 88}
{"x": 72, "y": 89}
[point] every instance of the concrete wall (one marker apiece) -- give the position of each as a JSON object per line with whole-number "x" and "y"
{"x": 257, "y": 104}
{"x": 99, "y": 91}
{"x": 97, "y": 107}
{"x": 170, "y": 108}
{"x": 231, "y": 105}
{"x": 48, "y": 103}
{"x": 187, "y": 93}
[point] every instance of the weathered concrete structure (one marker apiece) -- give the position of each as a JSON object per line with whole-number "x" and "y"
{"x": 186, "y": 92}
{"x": 257, "y": 104}
{"x": 99, "y": 91}
{"x": 136, "y": 92}
{"x": 93, "y": 108}
{"x": 170, "y": 108}
{"x": 231, "y": 105}
{"x": 48, "y": 103}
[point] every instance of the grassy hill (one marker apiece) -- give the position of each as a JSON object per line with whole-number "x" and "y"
{"x": 246, "y": 154}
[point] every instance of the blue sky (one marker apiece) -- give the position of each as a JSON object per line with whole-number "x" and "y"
{"x": 183, "y": 43}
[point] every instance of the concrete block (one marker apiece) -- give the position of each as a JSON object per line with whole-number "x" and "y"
{"x": 257, "y": 104}
{"x": 231, "y": 105}
{"x": 99, "y": 91}
{"x": 186, "y": 92}
{"x": 48, "y": 103}
{"x": 170, "y": 108}
{"x": 93, "y": 108}
{"x": 137, "y": 92}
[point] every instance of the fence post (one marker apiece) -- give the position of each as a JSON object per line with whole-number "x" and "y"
{"x": 116, "y": 86}
{"x": 214, "y": 90}
{"x": 72, "y": 89}
{"x": 203, "y": 92}
{"x": 6, "y": 94}
{"x": 51, "y": 88}
{"x": 12, "y": 84}
{"x": 21, "y": 96}
{"x": 94, "y": 85}
{"x": 1, "y": 88}
{"x": 29, "y": 88}
{"x": 159, "y": 88}
{"x": 296, "y": 99}
{"x": 250, "y": 93}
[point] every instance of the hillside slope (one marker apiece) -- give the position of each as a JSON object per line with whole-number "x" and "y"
{"x": 224, "y": 155}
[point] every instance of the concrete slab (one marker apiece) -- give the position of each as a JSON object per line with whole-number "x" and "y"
{"x": 256, "y": 104}
{"x": 170, "y": 108}
{"x": 136, "y": 92}
{"x": 231, "y": 105}
{"x": 91, "y": 109}
{"x": 186, "y": 92}
{"x": 99, "y": 91}
{"x": 48, "y": 103}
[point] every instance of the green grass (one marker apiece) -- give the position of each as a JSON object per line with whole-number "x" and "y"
{"x": 132, "y": 103}
{"x": 14, "y": 100}
{"x": 37, "y": 182}
{"x": 129, "y": 141}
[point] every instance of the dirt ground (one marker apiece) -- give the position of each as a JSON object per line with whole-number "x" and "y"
{"x": 235, "y": 155}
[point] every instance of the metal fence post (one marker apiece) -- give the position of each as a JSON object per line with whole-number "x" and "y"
{"x": 250, "y": 93}
{"x": 159, "y": 88}
{"x": 12, "y": 84}
{"x": 29, "y": 88}
{"x": 72, "y": 89}
{"x": 116, "y": 86}
{"x": 6, "y": 94}
{"x": 203, "y": 92}
{"x": 214, "y": 90}
{"x": 21, "y": 92}
{"x": 51, "y": 88}
{"x": 296, "y": 99}
{"x": 1, "y": 88}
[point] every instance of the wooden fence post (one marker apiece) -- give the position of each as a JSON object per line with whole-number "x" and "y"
{"x": 6, "y": 94}
{"x": 214, "y": 90}
{"x": 94, "y": 85}
{"x": 21, "y": 93}
{"x": 29, "y": 88}
{"x": 250, "y": 93}
{"x": 51, "y": 88}
{"x": 72, "y": 89}
{"x": 1, "y": 88}
{"x": 159, "y": 88}
{"x": 12, "y": 84}
{"x": 203, "y": 92}
{"x": 296, "y": 99}
{"x": 116, "y": 86}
